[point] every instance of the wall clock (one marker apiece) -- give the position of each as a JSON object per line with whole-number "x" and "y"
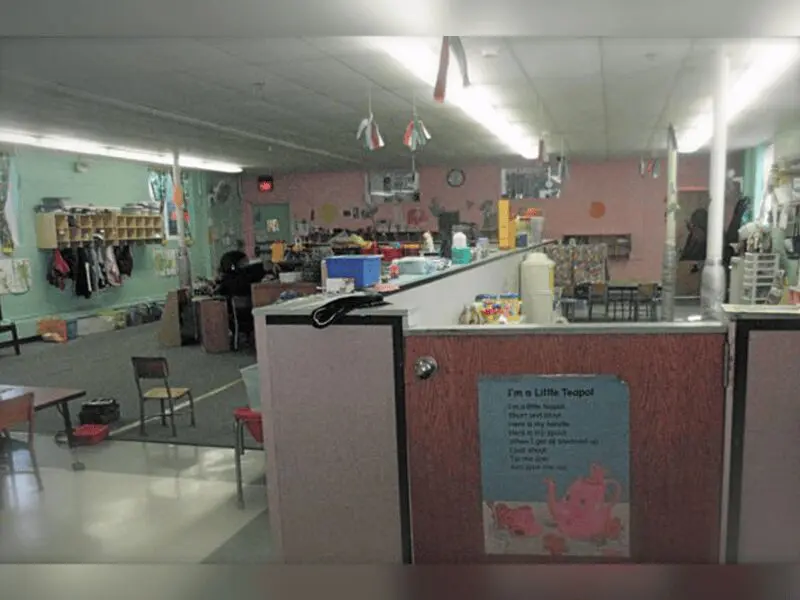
{"x": 456, "y": 178}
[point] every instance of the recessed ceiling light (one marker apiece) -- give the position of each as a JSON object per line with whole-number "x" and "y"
{"x": 490, "y": 52}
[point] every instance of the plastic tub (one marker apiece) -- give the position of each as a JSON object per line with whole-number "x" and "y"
{"x": 461, "y": 256}
{"x": 289, "y": 277}
{"x": 252, "y": 384}
{"x": 90, "y": 434}
{"x": 389, "y": 254}
{"x": 252, "y": 422}
{"x": 413, "y": 265}
{"x": 537, "y": 231}
{"x": 363, "y": 270}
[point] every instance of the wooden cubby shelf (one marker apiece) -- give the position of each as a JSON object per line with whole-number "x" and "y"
{"x": 54, "y": 229}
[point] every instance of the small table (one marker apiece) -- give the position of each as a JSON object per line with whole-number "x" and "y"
{"x": 47, "y": 397}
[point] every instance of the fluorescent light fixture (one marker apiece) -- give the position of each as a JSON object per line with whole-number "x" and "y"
{"x": 767, "y": 62}
{"x": 419, "y": 60}
{"x": 79, "y": 146}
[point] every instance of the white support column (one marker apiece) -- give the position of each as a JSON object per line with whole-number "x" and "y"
{"x": 670, "y": 259}
{"x": 712, "y": 293}
{"x": 184, "y": 267}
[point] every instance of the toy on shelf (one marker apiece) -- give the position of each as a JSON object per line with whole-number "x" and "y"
{"x": 499, "y": 308}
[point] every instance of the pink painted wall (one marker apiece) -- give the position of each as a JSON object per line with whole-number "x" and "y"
{"x": 633, "y": 204}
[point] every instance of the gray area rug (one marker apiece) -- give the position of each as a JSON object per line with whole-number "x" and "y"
{"x": 101, "y": 365}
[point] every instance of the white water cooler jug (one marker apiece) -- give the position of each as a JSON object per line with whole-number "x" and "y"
{"x": 537, "y": 283}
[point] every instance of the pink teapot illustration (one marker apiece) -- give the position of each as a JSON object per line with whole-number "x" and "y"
{"x": 584, "y": 513}
{"x": 518, "y": 521}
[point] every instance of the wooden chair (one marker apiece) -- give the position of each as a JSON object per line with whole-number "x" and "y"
{"x": 13, "y": 412}
{"x": 646, "y": 297}
{"x": 598, "y": 293}
{"x": 10, "y": 327}
{"x": 146, "y": 368}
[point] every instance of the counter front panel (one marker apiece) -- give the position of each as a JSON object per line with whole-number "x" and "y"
{"x": 658, "y": 416}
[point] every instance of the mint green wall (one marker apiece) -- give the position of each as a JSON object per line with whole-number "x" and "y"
{"x": 226, "y": 226}
{"x": 107, "y": 183}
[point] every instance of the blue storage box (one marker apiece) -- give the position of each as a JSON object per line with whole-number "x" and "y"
{"x": 364, "y": 270}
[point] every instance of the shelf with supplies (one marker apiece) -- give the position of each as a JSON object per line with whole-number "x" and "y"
{"x": 619, "y": 245}
{"x": 62, "y": 229}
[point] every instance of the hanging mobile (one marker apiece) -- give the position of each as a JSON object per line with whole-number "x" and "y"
{"x": 416, "y": 134}
{"x": 415, "y": 137}
{"x": 368, "y": 130}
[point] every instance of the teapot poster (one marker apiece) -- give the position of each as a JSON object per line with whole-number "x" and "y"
{"x": 555, "y": 465}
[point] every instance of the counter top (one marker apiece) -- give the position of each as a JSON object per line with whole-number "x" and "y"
{"x": 626, "y": 328}
{"x": 405, "y": 282}
{"x": 307, "y": 304}
{"x": 740, "y": 312}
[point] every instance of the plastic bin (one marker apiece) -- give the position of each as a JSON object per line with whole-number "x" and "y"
{"x": 363, "y": 270}
{"x": 72, "y": 329}
{"x": 90, "y": 434}
{"x": 252, "y": 422}
{"x": 252, "y": 384}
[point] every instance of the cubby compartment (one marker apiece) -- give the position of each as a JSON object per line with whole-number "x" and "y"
{"x": 58, "y": 229}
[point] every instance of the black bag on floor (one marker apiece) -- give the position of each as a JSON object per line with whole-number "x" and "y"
{"x": 100, "y": 411}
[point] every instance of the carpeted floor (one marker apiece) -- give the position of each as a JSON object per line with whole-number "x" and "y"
{"x": 101, "y": 365}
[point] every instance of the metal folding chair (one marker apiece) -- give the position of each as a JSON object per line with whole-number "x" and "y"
{"x": 147, "y": 368}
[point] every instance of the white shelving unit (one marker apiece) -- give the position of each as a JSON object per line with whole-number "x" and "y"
{"x": 758, "y": 273}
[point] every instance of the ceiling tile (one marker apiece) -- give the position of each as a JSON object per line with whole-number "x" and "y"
{"x": 633, "y": 57}
{"x": 644, "y": 92}
{"x": 341, "y": 46}
{"x": 500, "y": 68}
{"x": 315, "y": 94}
{"x": 383, "y": 71}
{"x": 557, "y": 57}
{"x": 267, "y": 50}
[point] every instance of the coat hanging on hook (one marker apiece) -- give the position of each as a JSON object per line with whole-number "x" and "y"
{"x": 450, "y": 43}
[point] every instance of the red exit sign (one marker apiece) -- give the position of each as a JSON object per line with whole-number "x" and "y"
{"x": 265, "y": 184}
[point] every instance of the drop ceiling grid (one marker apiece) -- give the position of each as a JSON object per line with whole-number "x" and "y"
{"x": 315, "y": 93}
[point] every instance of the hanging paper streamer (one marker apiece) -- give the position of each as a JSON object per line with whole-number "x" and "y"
{"x": 544, "y": 157}
{"x": 450, "y": 43}
{"x": 369, "y": 133}
{"x": 177, "y": 196}
{"x": 416, "y": 135}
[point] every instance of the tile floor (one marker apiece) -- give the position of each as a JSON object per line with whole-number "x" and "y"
{"x": 134, "y": 503}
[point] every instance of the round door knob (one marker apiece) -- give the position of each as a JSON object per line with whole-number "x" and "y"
{"x": 425, "y": 367}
